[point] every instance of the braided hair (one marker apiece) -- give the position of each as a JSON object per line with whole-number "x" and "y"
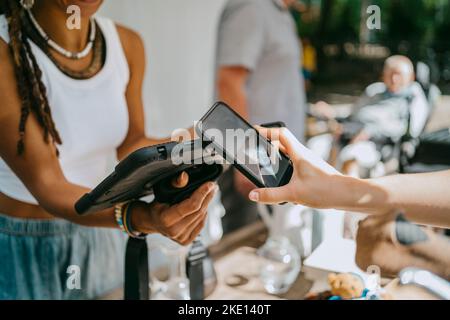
{"x": 32, "y": 91}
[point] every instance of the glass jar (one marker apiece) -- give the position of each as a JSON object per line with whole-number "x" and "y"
{"x": 177, "y": 286}
{"x": 280, "y": 264}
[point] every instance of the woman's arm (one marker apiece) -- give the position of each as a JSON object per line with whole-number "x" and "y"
{"x": 423, "y": 197}
{"x": 39, "y": 169}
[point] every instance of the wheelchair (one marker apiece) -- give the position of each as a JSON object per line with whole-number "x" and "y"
{"x": 395, "y": 156}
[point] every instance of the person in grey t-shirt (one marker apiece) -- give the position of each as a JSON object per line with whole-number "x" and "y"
{"x": 259, "y": 61}
{"x": 258, "y": 72}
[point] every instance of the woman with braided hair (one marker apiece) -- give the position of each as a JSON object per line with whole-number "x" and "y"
{"x": 70, "y": 105}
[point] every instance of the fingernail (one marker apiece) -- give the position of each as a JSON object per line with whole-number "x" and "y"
{"x": 254, "y": 196}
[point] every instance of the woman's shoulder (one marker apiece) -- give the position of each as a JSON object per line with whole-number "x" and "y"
{"x": 129, "y": 37}
{"x": 130, "y": 41}
{"x": 132, "y": 44}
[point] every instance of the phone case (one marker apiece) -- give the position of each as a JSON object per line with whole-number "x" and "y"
{"x": 145, "y": 171}
{"x": 199, "y": 174}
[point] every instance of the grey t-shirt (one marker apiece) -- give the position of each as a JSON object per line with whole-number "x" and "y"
{"x": 261, "y": 36}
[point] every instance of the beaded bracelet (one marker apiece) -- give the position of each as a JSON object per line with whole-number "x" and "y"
{"x": 118, "y": 214}
{"x": 121, "y": 213}
{"x": 127, "y": 221}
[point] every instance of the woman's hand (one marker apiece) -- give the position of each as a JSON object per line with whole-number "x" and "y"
{"x": 312, "y": 182}
{"x": 181, "y": 222}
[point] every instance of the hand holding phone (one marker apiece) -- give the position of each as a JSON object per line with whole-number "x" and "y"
{"x": 314, "y": 182}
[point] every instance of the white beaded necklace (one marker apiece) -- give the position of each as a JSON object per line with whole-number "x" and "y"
{"x": 61, "y": 50}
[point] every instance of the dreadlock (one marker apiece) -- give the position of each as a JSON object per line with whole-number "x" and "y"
{"x": 32, "y": 91}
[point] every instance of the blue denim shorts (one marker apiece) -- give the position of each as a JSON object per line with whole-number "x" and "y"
{"x": 57, "y": 259}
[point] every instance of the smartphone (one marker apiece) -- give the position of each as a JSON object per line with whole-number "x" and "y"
{"x": 241, "y": 145}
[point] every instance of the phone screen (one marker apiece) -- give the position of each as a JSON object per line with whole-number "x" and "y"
{"x": 243, "y": 146}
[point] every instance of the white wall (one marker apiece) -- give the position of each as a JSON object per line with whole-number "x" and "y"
{"x": 180, "y": 39}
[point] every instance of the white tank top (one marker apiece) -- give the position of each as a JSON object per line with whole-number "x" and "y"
{"x": 91, "y": 116}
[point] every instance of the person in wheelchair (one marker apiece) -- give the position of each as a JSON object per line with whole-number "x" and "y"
{"x": 384, "y": 114}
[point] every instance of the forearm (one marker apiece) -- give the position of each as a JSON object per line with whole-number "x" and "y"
{"x": 237, "y": 99}
{"x": 59, "y": 200}
{"x": 357, "y": 195}
{"x": 424, "y": 198}
{"x": 231, "y": 90}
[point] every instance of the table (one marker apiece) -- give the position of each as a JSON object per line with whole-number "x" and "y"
{"x": 242, "y": 264}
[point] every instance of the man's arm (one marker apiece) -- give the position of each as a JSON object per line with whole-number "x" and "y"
{"x": 240, "y": 46}
{"x": 231, "y": 88}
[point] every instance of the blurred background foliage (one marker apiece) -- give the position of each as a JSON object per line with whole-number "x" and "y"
{"x": 425, "y": 22}
{"x": 419, "y": 29}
